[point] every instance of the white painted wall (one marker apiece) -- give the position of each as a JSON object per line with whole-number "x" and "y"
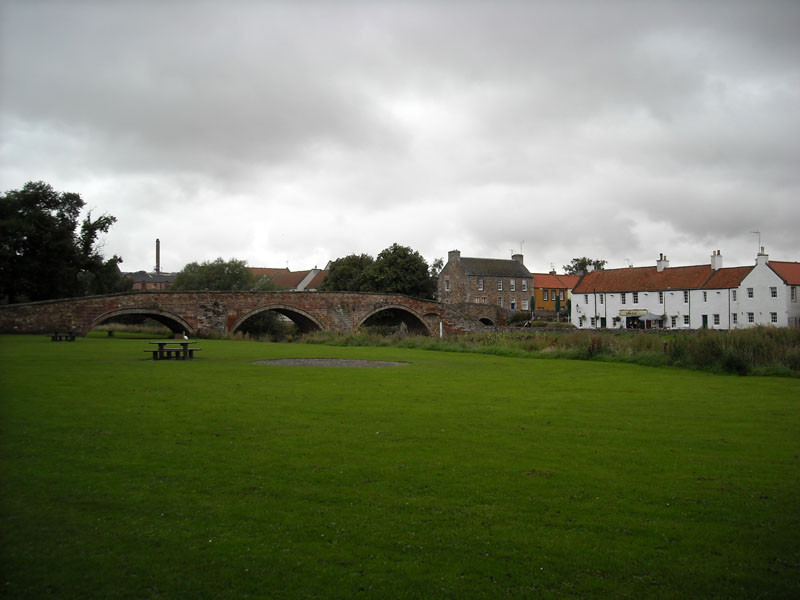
{"x": 761, "y": 279}
{"x": 722, "y": 303}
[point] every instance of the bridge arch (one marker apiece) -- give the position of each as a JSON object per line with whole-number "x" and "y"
{"x": 486, "y": 321}
{"x": 304, "y": 320}
{"x": 176, "y": 323}
{"x": 410, "y": 317}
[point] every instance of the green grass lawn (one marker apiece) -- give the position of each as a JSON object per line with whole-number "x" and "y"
{"x": 458, "y": 475}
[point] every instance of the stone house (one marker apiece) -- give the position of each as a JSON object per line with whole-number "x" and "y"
{"x": 506, "y": 283}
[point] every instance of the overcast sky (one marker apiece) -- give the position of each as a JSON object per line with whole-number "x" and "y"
{"x": 299, "y": 132}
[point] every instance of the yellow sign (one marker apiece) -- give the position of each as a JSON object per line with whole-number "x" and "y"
{"x": 633, "y": 313}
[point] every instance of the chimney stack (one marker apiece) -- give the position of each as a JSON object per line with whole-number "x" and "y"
{"x": 662, "y": 263}
{"x": 517, "y": 258}
{"x": 158, "y": 256}
{"x": 454, "y": 256}
{"x": 762, "y": 258}
{"x": 716, "y": 260}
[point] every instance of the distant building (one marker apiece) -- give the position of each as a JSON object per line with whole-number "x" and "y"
{"x": 693, "y": 297}
{"x": 504, "y": 282}
{"x": 298, "y": 281}
{"x": 147, "y": 282}
{"x": 551, "y": 290}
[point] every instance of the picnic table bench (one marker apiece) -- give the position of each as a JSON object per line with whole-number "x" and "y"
{"x": 177, "y": 349}
{"x": 63, "y": 336}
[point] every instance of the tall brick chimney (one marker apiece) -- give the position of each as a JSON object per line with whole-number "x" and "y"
{"x": 158, "y": 256}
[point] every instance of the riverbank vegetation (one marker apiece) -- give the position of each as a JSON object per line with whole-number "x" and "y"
{"x": 756, "y": 351}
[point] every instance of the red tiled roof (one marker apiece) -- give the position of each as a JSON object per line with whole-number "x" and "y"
{"x": 289, "y": 280}
{"x": 317, "y": 281}
{"x": 548, "y": 281}
{"x": 788, "y": 271}
{"x": 570, "y": 281}
{"x": 726, "y": 278}
{"x": 650, "y": 279}
{"x": 259, "y": 272}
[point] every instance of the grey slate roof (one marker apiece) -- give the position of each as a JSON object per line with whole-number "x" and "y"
{"x": 493, "y": 267}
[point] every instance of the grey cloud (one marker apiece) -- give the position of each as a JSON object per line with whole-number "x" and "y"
{"x": 574, "y": 126}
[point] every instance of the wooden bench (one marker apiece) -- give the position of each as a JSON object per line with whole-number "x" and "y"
{"x": 63, "y": 336}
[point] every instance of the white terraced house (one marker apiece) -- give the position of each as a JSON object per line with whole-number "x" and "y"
{"x": 700, "y": 296}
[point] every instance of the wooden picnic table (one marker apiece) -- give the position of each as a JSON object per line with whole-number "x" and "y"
{"x": 178, "y": 349}
{"x": 63, "y": 336}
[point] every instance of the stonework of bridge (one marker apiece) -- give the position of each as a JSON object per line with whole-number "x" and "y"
{"x": 222, "y": 313}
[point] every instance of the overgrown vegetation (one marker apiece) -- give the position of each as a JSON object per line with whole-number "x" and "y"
{"x": 757, "y": 351}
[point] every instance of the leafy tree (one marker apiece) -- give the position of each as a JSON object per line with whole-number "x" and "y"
{"x": 349, "y": 274}
{"x": 436, "y": 267}
{"x": 217, "y": 275}
{"x": 398, "y": 269}
{"x": 42, "y": 256}
{"x": 579, "y": 265}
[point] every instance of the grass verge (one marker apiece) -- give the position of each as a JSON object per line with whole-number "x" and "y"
{"x": 460, "y": 475}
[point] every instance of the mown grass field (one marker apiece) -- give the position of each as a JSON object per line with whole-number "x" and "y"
{"x": 457, "y": 475}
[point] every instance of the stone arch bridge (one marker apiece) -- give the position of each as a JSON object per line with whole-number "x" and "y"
{"x": 205, "y": 313}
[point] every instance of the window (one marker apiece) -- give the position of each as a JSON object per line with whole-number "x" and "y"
{"x": 477, "y": 300}
{"x": 586, "y": 298}
{"x": 661, "y": 297}
{"x": 446, "y": 285}
{"x": 601, "y": 298}
{"x": 480, "y": 284}
{"x": 500, "y": 301}
{"x": 485, "y": 301}
{"x": 773, "y": 292}
{"x": 733, "y": 295}
{"x": 546, "y": 295}
{"x": 524, "y": 305}
{"x": 524, "y": 285}
{"x": 734, "y": 318}
{"x": 561, "y": 295}
{"x": 773, "y": 317}
{"x": 794, "y": 293}
{"x": 751, "y": 317}
{"x": 749, "y": 292}
{"x": 673, "y": 321}
{"x": 513, "y": 285}
{"x": 685, "y": 296}
{"x": 636, "y": 297}
{"x": 716, "y": 319}
{"x": 705, "y": 296}
{"x": 593, "y": 321}
{"x": 513, "y": 304}
{"x": 686, "y": 320}
{"x": 499, "y": 284}
{"x": 623, "y": 298}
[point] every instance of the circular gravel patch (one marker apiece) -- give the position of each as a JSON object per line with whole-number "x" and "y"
{"x": 329, "y": 362}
